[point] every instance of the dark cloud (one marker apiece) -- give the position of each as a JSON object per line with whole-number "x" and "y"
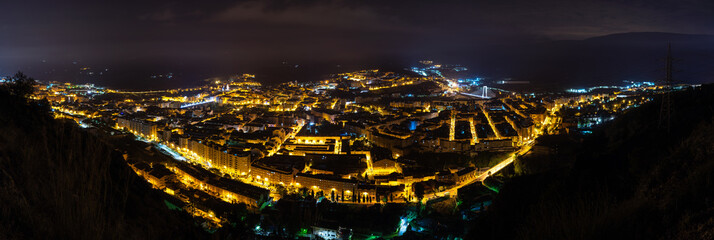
{"x": 233, "y": 36}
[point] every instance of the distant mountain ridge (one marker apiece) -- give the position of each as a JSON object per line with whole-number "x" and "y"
{"x": 551, "y": 65}
{"x": 645, "y": 36}
{"x": 610, "y": 59}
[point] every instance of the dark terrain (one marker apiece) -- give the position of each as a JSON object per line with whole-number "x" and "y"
{"x": 60, "y": 182}
{"x": 629, "y": 180}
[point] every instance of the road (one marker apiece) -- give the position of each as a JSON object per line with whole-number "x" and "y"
{"x": 290, "y": 135}
{"x": 453, "y": 191}
{"x": 483, "y": 175}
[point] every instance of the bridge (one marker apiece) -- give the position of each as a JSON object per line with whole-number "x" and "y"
{"x": 209, "y": 100}
{"x": 483, "y": 92}
{"x": 177, "y": 90}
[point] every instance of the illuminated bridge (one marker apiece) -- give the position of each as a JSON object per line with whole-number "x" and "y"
{"x": 482, "y": 92}
{"x": 209, "y": 100}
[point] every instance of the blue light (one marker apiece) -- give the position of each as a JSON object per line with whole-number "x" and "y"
{"x": 171, "y": 152}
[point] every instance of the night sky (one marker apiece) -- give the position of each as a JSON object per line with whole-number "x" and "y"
{"x": 198, "y": 39}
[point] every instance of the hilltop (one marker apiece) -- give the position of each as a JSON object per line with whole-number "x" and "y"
{"x": 630, "y": 179}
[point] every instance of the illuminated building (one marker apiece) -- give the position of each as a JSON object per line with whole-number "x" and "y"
{"x": 302, "y": 145}
{"x": 139, "y": 127}
{"x": 227, "y": 189}
{"x": 467, "y": 174}
{"x": 228, "y": 160}
{"x": 385, "y": 167}
{"x": 329, "y": 183}
{"x": 268, "y": 175}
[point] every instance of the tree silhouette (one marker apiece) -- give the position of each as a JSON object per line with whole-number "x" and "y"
{"x": 19, "y": 85}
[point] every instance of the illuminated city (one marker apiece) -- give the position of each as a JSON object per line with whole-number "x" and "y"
{"x": 357, "y": 120}
{"x": 237, "y": 141}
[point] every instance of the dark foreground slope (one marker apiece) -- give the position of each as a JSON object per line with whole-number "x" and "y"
{"x": 58, "y": 182}
{"x": 630, "y": 180}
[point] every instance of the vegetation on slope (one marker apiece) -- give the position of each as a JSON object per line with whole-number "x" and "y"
{"x": 631, "y": 179}
{"x": 57, "y": 181}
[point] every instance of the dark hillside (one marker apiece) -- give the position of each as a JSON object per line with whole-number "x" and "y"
{"x": 631, "y": 179}
{"x": 59, "y": 182}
